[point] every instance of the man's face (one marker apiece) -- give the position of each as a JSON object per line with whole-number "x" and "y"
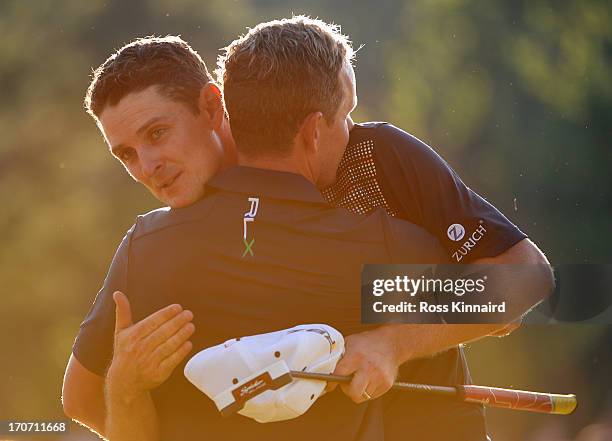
{"x": 163, "y": 145}
{"x": 335, "y": 136}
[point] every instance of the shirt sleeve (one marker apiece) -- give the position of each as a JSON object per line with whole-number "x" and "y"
{"x": 425, "y": 190}
{"x": 93, "y": 346}
{"x": 411, "y": 244}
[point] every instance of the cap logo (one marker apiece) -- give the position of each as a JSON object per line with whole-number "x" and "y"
{"x": 252, "y": 388}
{"x": 248, "y": 389}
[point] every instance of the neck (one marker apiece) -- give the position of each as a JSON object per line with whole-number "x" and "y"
{"x": 230, "y": 155}
{"x": 284, "y": 164}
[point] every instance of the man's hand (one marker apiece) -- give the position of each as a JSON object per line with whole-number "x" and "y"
{"x": 146, "y": 353}
{"x": 371, "y": 358}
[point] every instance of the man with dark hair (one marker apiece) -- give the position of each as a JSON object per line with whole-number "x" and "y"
{"x": 162, "y": 69}
{"x": 303, "y": 129}
{"x": 168, "y": 62}
{"x": 162, "y": 117}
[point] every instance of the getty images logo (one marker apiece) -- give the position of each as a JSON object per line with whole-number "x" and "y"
{"x": 455, "y": 232}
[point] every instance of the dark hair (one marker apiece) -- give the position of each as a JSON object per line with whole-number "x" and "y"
{"x": 276, "y": 75}
{"x": 168, "y": 62}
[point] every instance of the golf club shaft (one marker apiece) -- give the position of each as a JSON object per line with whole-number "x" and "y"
{"x": 489, "y": 396}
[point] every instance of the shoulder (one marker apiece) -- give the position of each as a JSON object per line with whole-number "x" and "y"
{"x": 385, "y": 134}
{"x": 153, "y": 220}
{"x": 166, "y": 217}
{"x": 392, "y": 145}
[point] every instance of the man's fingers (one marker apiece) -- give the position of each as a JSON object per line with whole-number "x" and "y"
{"x": 123, "y": 312}
{"x": 162, "y": 334}
{"x": 356, "y": 388}
{"x": 347, "y": 365}
{"x": 173, "y": 343}
{"x": 379, "y": 385}
{"x": 149, "y": 324}
{"x": 330, "y": 386}
{"x": 171, "y": 362}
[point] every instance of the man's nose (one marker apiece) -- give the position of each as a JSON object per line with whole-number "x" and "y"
{"x": 150, "y": 162}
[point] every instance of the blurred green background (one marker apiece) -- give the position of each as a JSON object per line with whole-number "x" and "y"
{"x": 517, "y": 96}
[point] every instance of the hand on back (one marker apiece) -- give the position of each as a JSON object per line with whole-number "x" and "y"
{"x": 146, "y": 353}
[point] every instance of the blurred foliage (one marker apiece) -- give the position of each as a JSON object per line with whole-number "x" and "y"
{"x": 515, "y": 95}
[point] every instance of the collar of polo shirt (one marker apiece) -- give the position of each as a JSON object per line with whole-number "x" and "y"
{"x": 267, "y": 183}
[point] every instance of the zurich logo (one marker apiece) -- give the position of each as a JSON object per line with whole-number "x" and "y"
{"x": 455, "y": 232}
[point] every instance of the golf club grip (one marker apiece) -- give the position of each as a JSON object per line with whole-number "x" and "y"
{"x": 519, "y": 399}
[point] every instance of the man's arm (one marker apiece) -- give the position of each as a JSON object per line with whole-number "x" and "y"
{"x": 425, "y": 190}
{"x": 130, "y": 419}
{"x": 83, "y": 396}
{"x": 92, "y": 352}
{"x": 132, "y": 351}
{"x": 409, "y": 342}
{"x": 145, "y": 354}
{"x": 524, "y": 252}
{"x": 124, "y": 392}
{"x": 373, "y": 357}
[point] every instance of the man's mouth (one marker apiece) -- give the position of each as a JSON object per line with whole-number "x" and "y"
{"x": 170, "y": 181}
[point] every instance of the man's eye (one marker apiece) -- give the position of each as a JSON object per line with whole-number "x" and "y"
{"x": 157, "y": 133}
{"x": 126, "y": 155}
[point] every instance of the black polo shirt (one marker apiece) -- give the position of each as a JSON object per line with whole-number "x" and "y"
{"x": 383, "y": 166}
{"x": 260, "y": 252}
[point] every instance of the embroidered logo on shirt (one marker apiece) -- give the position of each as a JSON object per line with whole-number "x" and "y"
{"x": 455, "y": 232}
{"x": 470, "y": 243}
{"x": 249, "y": 216}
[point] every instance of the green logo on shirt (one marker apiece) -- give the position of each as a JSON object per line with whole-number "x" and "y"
{"x": 248, "y": 247}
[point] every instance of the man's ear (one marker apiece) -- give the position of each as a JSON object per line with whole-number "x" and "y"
{"x": 309, "y": 132}
{"x": 210, "y": 105}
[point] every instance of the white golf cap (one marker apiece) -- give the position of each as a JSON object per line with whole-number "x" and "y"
{"x": 251, "y": 375}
